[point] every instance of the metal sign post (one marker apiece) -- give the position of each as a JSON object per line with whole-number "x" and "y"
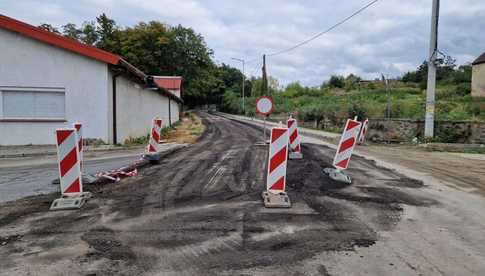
{"x": 264, "y": 128}
{"x": 264, "y": 106}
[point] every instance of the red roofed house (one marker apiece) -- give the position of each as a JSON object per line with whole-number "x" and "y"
{"x": 48, "y": 81}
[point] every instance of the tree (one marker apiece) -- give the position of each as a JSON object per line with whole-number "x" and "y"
{"x": 187, "y": 54}
{"x": 89, "y": 35}
{"x": 49, "y": 28}
{"x": 143, "y": 44}
{"x": 351, "y": 82}
{"x": 106, "y": 31}
{"x": 70, "y": 30}
{"x": 293, "y": 89}
{"x": 336, "y": 81}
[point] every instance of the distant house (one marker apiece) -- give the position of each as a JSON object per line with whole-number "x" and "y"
{"x": 48, "y": 81}
{"x": 478, "y": 77}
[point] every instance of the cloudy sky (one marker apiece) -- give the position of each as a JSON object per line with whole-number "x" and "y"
{"x": 391, "y": 37}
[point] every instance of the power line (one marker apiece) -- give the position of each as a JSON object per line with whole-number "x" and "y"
{"x": 325, "y": 31}
{"x": 313, "y": 37}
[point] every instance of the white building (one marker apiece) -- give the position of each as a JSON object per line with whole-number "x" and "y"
{"x": 478, "y": 77}
{"x": 48, "y": 81}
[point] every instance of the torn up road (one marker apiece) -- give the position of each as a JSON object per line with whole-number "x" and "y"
{"x": 199, "y": 212}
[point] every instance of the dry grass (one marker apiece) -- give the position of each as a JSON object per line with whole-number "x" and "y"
{"x": 187, "y": 131}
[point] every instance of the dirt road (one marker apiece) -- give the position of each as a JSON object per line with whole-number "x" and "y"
{"x": 200, "y": 213}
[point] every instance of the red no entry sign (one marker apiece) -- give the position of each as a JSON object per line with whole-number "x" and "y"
{"x": 264, "y": 105}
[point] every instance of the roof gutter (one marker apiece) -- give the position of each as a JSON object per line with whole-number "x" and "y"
{"x": 133, "y": 70}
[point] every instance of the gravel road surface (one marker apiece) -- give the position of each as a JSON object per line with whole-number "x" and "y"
{"x": 199, "y": 212}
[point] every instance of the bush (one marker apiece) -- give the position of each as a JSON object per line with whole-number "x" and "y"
{"x": 462, "y": 89}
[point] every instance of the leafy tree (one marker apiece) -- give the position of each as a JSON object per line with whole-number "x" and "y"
{"x": 293, "y": 89}
{"x": 143, "y": 44}
{"x": 70, "y": 30}
{"x": 336, "y": 81}
{"x": 89, "y": 34}
{"x": 107, "y": 31}
{"x": 187, "y": 54}
{"x": 49, "y": 27}
{"x": 351, "y": 82}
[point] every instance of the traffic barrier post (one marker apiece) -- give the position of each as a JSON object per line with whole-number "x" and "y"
{"x": 275, "y": 195}
{"x": 69, "y": 163}
{"x": 294, "y": 140}
{"x": 344, "y": 151}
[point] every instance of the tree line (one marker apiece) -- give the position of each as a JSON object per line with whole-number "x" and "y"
{"x": 158, "y": 48}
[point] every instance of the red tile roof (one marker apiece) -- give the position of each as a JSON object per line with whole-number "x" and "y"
{"x": 169, "y": 83}
{"x": 57, "y": 40}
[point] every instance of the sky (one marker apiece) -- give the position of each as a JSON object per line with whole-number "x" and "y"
{"x": 391, "y": 37}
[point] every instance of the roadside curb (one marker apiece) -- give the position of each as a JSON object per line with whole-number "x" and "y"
{"x": 50, "y": 153}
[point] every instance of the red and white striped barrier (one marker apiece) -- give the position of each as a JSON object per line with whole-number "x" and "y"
{"x": 80, "y": 142}
{"x": 278, "y": 153}
{"x": 155, "y": 136}
{"x": 347, "y": 144}
{"x": 116, "y": 175}
{"x": 295, "y": 140}
{"x": 363, "y": 131}
{"x": 344, "y": 151}
{"x": 275, "y": 196}
{"x": 69, "y": 162}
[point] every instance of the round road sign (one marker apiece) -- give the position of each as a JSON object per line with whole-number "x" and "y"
{"x": 264, "y": 105}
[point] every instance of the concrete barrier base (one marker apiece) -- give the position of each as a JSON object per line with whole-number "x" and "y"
{"x": 337, "y": 175}
{"x": 279, "y": 200}
{"x": 152, "y": 157}
{"x": 295, "y": 155}
{"x": 70, "y": 202}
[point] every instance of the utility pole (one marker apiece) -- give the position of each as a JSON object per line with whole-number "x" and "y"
{"x": 388, "y": 111}
{"x": 243, "y": 82}
{"x": 265, "y": 78}
{"x": 430, "y": 90}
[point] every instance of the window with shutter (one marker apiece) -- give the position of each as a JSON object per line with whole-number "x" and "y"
{"x": 32, "y": 103}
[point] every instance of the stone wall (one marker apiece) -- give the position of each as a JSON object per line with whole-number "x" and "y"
{"x": 405, "y": 130}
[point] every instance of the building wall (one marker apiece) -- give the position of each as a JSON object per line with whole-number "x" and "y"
{"x": 136, "y": 108}
{"x": 176, "y": 92}
{"x": 478, "y": 80}
{"x": 175, "y": 109}
{"x": 25, "y": 62}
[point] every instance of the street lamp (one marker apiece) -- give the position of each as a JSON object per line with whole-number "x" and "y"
{"x": 243, "y": 81}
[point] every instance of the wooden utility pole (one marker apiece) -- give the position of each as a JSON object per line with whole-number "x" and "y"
{"x": 265, "y": 77}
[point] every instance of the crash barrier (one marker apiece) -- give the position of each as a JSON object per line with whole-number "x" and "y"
{"x": 275, "y": 195}
{"x": 344, "y": 151}
{"x": 69, "y": 162}
{"x": 294, "y": 140}
{"x": 363, "y": 131}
